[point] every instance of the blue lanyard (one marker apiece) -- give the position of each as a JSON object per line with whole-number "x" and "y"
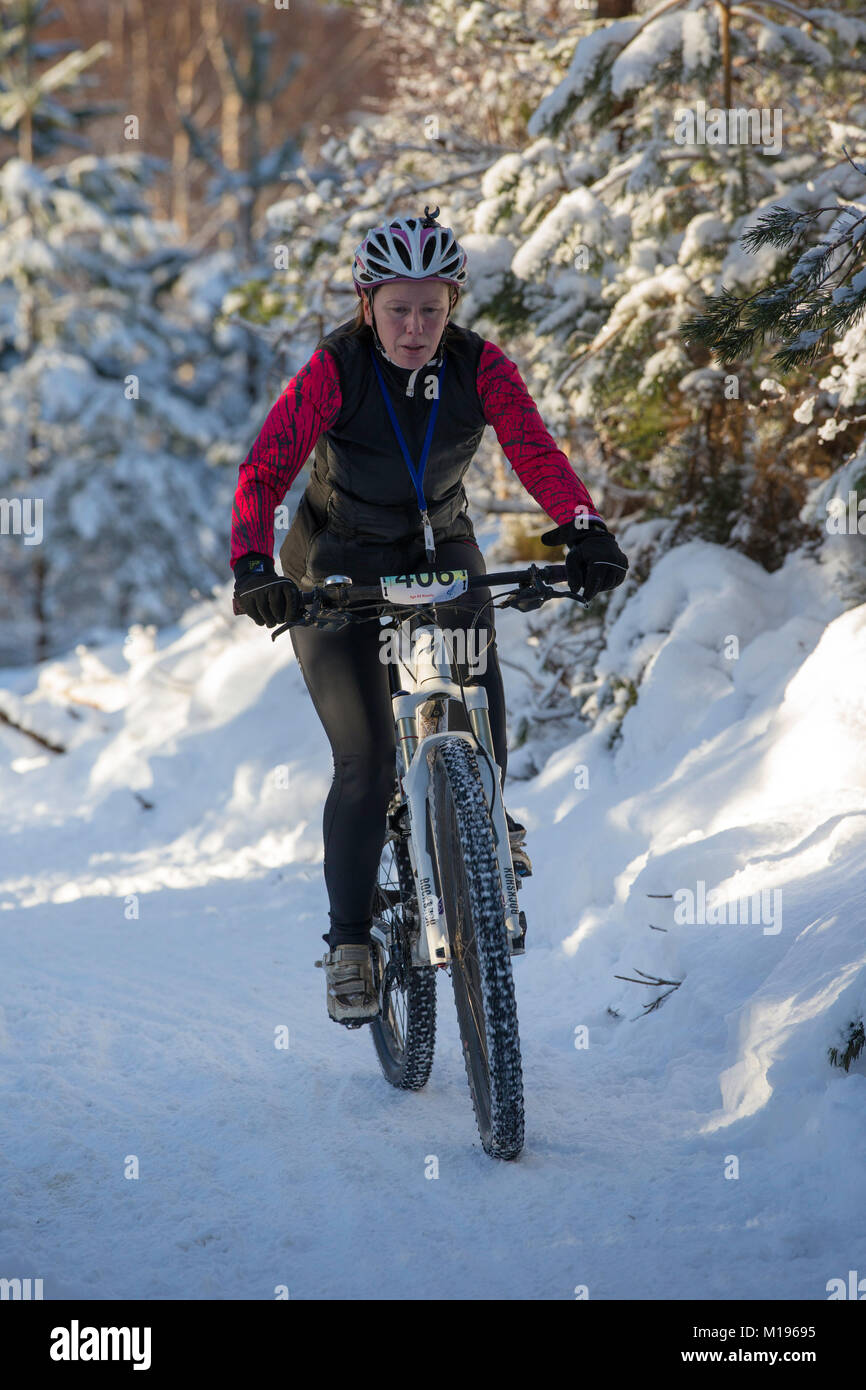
{"x": 416, "y": 474}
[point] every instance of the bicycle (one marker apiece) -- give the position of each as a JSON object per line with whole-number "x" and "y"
{"x": 446, "y": 893}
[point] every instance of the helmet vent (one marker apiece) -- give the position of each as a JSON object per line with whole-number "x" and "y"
{"x": 403, "y": 248}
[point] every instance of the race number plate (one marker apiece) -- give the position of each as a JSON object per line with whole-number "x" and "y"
{"x": 427, "y": 586}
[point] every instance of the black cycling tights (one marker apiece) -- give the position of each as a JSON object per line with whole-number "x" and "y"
{"x": 348, "y": 685}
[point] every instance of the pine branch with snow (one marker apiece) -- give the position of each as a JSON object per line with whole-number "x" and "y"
{"x": 823, "y": 295}
{"x": 30, "y": 114}
{"x": 855, "y": 1041}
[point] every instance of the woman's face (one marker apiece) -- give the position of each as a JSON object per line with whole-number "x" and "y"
{"x": 410, "y": 317}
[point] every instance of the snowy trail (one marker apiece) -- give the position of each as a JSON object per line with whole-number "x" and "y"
{"x": 262, "y": 1167}
{"x": 154, "y": 1035}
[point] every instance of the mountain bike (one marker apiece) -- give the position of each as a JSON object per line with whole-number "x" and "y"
{"x": 446, "y": 895}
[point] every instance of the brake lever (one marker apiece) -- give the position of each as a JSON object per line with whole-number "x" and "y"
{"x": 317, "y": 615}
{"x": 530, "y": 595}
{"x": 524, "y": 602}
{"x": 527, "y": 600}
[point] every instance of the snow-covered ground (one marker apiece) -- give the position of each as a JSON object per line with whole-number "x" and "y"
{"x": 162, "y": 905}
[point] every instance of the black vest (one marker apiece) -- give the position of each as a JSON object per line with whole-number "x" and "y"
{"x": 361, "y": 500}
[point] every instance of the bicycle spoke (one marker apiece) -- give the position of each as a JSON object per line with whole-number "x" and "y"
{"x": 404, "y": 1033}
{"x": 469, "y": 965}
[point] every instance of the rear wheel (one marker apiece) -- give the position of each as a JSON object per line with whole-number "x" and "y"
{"x": 469, "y": 881}
{"x": 405, "y": 1033}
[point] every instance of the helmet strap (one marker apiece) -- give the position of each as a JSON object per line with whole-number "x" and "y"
{"x": 377, "y": 340}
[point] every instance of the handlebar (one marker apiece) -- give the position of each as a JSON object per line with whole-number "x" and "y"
{"x": 334, "y": 605}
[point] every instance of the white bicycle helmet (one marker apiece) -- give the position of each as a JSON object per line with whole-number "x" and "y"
{"x": 409, "y": 248}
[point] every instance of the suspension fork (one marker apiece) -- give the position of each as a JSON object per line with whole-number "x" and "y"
{"x": 430, "y": 945}
{"x": 415, "y": 784}
{"x": 491, "y": 778}
{"x": 418, "y": 723}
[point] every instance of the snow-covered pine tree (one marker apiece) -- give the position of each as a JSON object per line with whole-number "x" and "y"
{"x": 606, "y": 269}
{"x": 812, "y": 314}
{"x": 112, "y": 400}
{"x": 107, "y": 402}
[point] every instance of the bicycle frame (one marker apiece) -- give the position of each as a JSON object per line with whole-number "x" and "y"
{"x": 419, "y": 715}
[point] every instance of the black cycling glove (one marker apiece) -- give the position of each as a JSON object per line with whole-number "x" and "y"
{"x": 593, "y": 560}
{"x": 262, "y": 594}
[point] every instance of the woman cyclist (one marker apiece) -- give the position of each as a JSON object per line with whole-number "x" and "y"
{"x": 395, "y": 402}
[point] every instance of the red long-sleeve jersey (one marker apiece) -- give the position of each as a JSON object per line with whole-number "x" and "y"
{"x": 310, "y": 404}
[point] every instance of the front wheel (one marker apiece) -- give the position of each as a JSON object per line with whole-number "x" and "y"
{"x": 480, "y": 953}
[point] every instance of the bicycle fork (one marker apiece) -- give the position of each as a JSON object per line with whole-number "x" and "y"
{"x": 417, "y": 719}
